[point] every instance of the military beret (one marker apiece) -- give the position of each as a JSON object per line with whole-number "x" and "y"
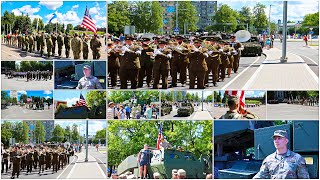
{"x": 162, "y": 41}
{"x": 280, "y": 133}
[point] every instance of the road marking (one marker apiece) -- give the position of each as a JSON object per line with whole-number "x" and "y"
{"x": 253, "y": 78}
{"x": 306, "y": 57}
{"x": 66, "y": 168}
{"x": 11, "y": 54}
{"x": 315, "y": 77}
{"x": 235, "y": 78}
{"x": 101, "y": 171}
{"x": 71, "y": 172}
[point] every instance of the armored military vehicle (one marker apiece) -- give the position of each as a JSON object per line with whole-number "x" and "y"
{"x": 166, "y": 108}
{"x": 252, "y": 47}
{"x": 81, "y": 112}
{"x": 164, "y": 162}
{"x": 241, "y": 146}
{"x": 185, "y": 109}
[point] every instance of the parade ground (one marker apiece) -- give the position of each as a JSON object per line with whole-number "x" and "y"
{"x": 292, "y": 111}
{"x": 21, "y": 112}
{"x": 22, "y": 84}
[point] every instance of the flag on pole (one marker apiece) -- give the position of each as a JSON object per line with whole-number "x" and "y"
{"x": 88, "y": 23}
{"x": 54, "y": 16}
{"x": 82, "y": 101}
{"x": 240, "y": 95}
{"x": 159, "y": 137}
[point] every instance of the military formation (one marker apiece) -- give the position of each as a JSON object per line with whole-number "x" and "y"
{"x": 30, "y": 75}
{"x": 36, "y": 158}
{"x": 172, "y": 56}
{"x": 39, "y": 42}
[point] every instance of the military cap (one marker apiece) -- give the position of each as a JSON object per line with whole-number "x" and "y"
{"x": 86, "y": 67}
{"x": 182, "y": 172}
{"x": 146, "y": 39}
{"x": 180, "y": 37}
{"x": 129, "y": 38}
{"x": 197, "y": 41}
{"x": 280, "y": 133}
{"x": 162, "y": 41}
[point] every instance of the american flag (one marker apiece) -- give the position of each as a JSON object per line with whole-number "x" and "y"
{"x": 240, "y": 95}
{"x": 82, "y": 101}
{"x": 159, "y": 137}
{"x": 87, "y": 22}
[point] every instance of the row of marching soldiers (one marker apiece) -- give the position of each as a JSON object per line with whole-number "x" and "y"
{"x": 30, "y": 75}
{"x": 36, "y": 42}
{"x": 38, "y": 157}
{"x": 136, "y": 59}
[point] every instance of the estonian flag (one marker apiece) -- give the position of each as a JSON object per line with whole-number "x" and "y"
{"x": 54, "y": 16}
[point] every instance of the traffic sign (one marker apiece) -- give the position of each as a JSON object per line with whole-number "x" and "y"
{"x": 311, "y": 32}
{"x": 176, "y": 29}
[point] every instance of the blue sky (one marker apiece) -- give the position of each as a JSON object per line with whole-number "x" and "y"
{"x": 250, "y": 93}
{"x": 46, "y": 94}
{"x": 296, "y": 9}
{"x": 71, "y": 96}
{"x": 94, "y": 125}
{"x": 67, "y": 11}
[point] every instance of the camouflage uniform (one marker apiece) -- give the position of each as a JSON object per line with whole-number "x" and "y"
{"x": 49, "y": 45}
{"x": 95, "y": 46}
{"x": 76, "y": 46}
{"x": 288, "y": 166}
{"x": 232, "y": 115}
{"x": 31, "y": 43}
{"x": 60, "y": 44}
{"x": 53, "y": 39}
{"x": 89, "y": 83}
{"x": 67, "y": 44}
{"x": 85, "y": 47}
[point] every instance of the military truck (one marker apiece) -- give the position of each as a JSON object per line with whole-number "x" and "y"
{"x": 252, "y": 47}
{"x": 185, "y": 109}
{"x": 241, "y": 146}
{"x": 98, "y": 69}
{"x": 166, "y": 108}
{"x": 164, "y": 162}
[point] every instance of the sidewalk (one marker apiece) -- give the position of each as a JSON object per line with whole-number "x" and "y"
{"x": 295, "y": 74}
{"x": 201, "y": 115}
{"x": 86, "y": 170}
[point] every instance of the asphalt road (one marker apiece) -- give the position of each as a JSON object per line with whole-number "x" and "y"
{"x": 285, "y": 111}
{"x": 18, "y": 112}
{"x": 197, "y": 114}
{"x": 22, "y": 84}
{"x": 47, "y": 174}
{"x": 13, "y": 53}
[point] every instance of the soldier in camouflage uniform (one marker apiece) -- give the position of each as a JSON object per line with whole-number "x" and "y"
{"x": 95, "y": 46}
{"x": 76, "y": 46}
{"x": 60, "y": 43}
{"x": 282, "y": 164}
{"x": 67, "y": 44}
{"x": 88, "y": 81}
{"x": 53, "y": 39}
{"x": 31, "y": 42}
{"x": 42, "y": 43}
{"x": 233, "y": 103}
{"x": 49, "y": 45}
{"x": 85, "y": 46}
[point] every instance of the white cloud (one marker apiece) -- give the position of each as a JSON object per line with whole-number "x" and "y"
{"x": 70, "y": 17}
{"x": 72, "y": 101}
{"x": 75, "y": 7}
{"x": 94, "y": 10}
{"x": 47, "y": 92}
{"x": 22, "y": 92}
{"x": 53, "y": 5}
{"x": 47, "y": 97}
{"x": 27, "y": 10}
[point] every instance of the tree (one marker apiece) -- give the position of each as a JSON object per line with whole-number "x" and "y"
{"x": 118, "y": 16}
{"x": 22, "y": 24}
{"x": 260, "y": 20}
{"x": 6, "y": 132}
{"x": 67, "y": 134}
{"x": 58, "y": 134}
{"x": 311, "y": 19}
{"x": 179, "y": 96}
{"x": 187, "y": 16}
{"x": 75, "y": 133}
{"x": 7, "y": 21}
{"x": 20, "y": 132}
{"x": 5, "y": 98}
{"x": 100, "y": 135}
{"x": 224, "y": 15}
{"x": 40, "y": 132}
{"x": 69, "y": 28}
{"x": 245, "y": 16}
{"x": 39, "y": 22}
{"x": 96, "y": 98}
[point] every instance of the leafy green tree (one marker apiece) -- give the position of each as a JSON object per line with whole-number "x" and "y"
{"x": 67, "y": 134}
{"x": 179, "y": 96}
{"x": 96, "y": 98}
{"x": 225, "y": 14}
{"x": 100, "y": 135}
{"x": 69, "y": 28}
{"x": 118, "y": 16}
{"x": 40, "y": 132}
{"x": 6, "y": 132}
{"x": 187, "y": 16}
{"x": 260, "y": 20}
{"x": 311, "y": 19}
{"x": 7, "y": 21}
{"x": 39, "y": 22}
{"x": 58, "y": 134}
{"x": 245, "y": 16}
{"x": 75, "y": 133}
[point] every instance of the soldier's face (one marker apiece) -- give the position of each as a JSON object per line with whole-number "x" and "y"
{"x": 87, "y": 72}
{"x": 280, "y": 142}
